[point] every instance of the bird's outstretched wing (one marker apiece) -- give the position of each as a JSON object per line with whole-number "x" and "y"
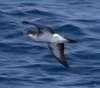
{"x": 41, "y": 28}
{"x": 57, "y": 50}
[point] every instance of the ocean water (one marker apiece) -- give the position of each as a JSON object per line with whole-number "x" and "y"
{"x": 28, "y": 64}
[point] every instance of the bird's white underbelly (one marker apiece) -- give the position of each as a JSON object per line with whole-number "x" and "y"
{"x": 52, "y": 39}
{"x": 45, "y": 38}
{"x": 49, "y": 38}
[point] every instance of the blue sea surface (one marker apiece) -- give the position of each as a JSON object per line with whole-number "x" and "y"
{"x": 28, "y": 64}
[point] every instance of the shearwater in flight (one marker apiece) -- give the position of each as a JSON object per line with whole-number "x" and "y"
{"x": 55, "y": 41}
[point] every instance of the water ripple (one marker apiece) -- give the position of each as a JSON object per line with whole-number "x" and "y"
{"x": 28, "y": 64}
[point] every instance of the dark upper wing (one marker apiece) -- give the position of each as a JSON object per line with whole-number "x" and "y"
{"x": 41, "y": 28}
{"x": 58, "y": 50}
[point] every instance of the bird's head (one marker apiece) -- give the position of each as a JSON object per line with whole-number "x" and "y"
{"x": 32, "y": 34}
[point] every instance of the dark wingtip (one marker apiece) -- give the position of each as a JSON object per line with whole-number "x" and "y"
{"x": 72, "y": 41}
{"x": 25, "y": 22}
{"x": 32, "y": 23}
{"x": 66, "y": 66}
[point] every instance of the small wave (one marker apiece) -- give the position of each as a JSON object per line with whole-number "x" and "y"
{"x": 39, "y": 12}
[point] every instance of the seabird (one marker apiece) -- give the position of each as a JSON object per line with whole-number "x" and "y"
{"x": 55, "y": 41}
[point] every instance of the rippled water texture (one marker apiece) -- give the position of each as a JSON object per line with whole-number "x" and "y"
{"x": 28, "y": 64}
